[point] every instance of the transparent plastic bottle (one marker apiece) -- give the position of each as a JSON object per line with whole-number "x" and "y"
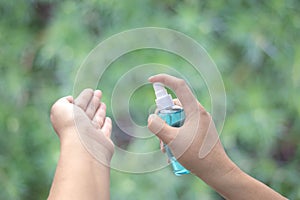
{"x": 172, "y": 115}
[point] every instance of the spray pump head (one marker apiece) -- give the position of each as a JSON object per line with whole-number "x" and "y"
{"x": 163, "y": 99}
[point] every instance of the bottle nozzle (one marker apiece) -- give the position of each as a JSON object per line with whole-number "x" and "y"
{"x": 163, "y": 99}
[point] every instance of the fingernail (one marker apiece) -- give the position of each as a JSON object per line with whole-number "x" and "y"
{"x": 97, "y": 93}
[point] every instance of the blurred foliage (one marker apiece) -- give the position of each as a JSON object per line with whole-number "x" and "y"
{"x": 255, "y": 45}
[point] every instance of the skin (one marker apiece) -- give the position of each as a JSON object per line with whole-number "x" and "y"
{"x": 86, "y": 149}
{"x": 79, "y": 175}
{"x": 197, "y": 147}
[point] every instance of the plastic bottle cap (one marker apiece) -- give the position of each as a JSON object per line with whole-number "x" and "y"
{"x": 163, "y": 99}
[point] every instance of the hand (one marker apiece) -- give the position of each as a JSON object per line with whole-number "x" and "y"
{"x": 82, "y": 125}
{"x": 83, "y": 170}
{"x": 197, "y": 147}
{"x": 196, "y": 144}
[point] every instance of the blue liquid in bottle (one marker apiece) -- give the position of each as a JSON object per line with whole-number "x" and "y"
{"x": 174, "y": 116}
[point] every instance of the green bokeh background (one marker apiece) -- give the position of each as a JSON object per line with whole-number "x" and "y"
{"x": 255, "y": 44}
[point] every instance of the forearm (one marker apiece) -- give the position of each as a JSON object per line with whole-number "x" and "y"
{"x": 231, "y": 182}
{"x": 239, "y": 185}
{"x": 79, "y": 176}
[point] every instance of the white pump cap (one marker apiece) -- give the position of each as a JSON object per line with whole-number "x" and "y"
{"x": 163, "y": 99}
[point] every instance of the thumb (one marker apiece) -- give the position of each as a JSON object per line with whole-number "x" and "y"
{"x": 161, "y": 129}
{"x": 66, "y": 99}
{"x": 70, "y": 99}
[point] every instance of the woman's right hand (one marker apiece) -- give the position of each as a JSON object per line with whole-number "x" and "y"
{"x": 196, "y": 144}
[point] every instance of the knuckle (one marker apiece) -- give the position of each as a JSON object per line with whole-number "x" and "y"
{"x": 204, "y": 113}
{"x": 181, "y": 83}
{"x": 202, "y": 110}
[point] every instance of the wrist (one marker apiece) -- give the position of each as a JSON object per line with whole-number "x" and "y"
{"x": 216, "y": 170}
{"x": 221, "y": 174}
{"x": 78, "y": 170}
{"x": 215, "y": 165}
{"x": 227, "y": 184}
{"x": 74, "y": 147}
{"x": 74, "y": 150}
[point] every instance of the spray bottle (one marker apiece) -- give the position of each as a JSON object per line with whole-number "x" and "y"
{"x": 174, "y": 116}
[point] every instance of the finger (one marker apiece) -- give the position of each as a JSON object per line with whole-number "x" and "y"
{"x": 66, "y": 99}
{"x": 177, "y": 102}
{"x": 99, "y": 117}
{"x": 162, "y": 146}
{"x": 162, "y": 130}
{"x": 84, "y": 98}
{"x": 107, "y": 126}
{"x": 70, "y": 99}
{"x": 181, "y": 89}
{"x": 94, "y": 104}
